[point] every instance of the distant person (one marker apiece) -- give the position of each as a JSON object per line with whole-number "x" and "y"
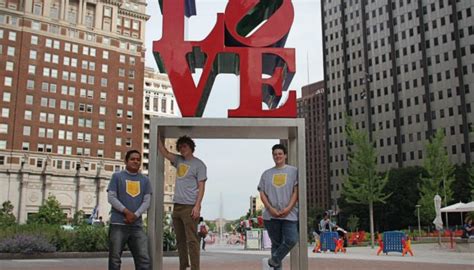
{"x": 129, "y": 193}
{"x": 203, "y": 230}
{"x": 468, "y": 228}
{"x": 99, "y": 222}
{"x": 326, "y": 225}
{"x": 279, "y": 193}
{"x": 191, "y": 176}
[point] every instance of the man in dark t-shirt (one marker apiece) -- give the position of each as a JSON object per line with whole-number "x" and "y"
{"x": 129, "y": 193}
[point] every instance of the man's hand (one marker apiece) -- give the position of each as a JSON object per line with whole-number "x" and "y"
{"x": 285, "y": 212}
{"x": 129, "y": 216}
{"x": 274, "y": 212}
{"x": 196, "y": 212}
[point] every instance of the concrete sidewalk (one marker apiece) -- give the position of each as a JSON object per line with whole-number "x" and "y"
{"x": 423, "y": 253}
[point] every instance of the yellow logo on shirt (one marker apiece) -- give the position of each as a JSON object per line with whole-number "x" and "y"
{"x": 182, "y": 170}
{"x": 279, "y": 180}
{"x": 132, "y": 188}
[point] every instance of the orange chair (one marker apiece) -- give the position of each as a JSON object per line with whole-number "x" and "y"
{"x": 406, "y": 247}
{"x": 380, "y": 245}
{"x": 317, "y": 247}
{"x": 339, "y": 245}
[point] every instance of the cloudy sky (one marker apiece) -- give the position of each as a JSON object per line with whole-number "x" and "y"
{"x": 235, "y": 166}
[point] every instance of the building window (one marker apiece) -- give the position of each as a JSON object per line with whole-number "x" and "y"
{"x": 38, "y": 8}
{"x": 9, "y": 66}
{"x": 4, "y": 128}
{"x": 5, "y": 112}
{"x": 25, "y": 146}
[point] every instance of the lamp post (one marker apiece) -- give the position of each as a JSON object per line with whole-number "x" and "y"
{"x": 418, "y": 213}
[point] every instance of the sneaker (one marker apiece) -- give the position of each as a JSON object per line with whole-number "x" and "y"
{"x": 272, "y": 263}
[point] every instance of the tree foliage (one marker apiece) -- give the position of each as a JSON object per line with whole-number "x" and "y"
{"x": 400, "y": 210}
{"x": 50, "y": 213}
{"x": 353, "y": 223}
{"x": 439, "y": 180}
{"x": 7, "y": 217}
{"x": 363, "y": 185}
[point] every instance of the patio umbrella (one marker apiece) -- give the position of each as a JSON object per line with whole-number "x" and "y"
{"x": 457, "y": 207}
{"x": 454, "y": 208}
{"x": 468, "y": 207}
{"x": 438, "y": 221}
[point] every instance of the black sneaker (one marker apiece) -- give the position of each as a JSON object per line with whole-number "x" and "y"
{"x": 272, "y": 263}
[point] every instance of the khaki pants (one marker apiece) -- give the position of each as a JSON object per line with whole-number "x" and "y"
{"x": 186, "y": 236}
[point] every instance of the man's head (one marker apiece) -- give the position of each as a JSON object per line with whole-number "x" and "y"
{"x": 185, "y": 145}
{"x": 133, "y": 160}
{"x": 326, "y": 215}
{"x": 279, "y": 154}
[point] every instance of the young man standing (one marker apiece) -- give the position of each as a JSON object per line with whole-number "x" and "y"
{"x": 191, "y": 176}
{"x": 279, "y": 193}
{"x": 129, "y": 193}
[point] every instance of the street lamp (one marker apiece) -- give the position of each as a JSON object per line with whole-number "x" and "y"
{"x": 419, "y": 225}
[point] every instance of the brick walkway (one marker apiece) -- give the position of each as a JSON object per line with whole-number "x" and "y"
{"x": 234, "y": 257}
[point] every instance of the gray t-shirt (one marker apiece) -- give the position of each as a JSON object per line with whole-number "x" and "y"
{"x": 278, "y": 185}
{"x": 188, "y": 173}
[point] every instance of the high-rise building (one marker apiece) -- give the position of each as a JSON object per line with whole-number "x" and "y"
{"x": 312, "y": 107}
{"x": 159, "y": 101}
{"x": 401, "y": 69}
{"x": 71, "y": 89}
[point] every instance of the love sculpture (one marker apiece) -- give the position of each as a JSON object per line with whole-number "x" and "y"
{"x": 247, "y": 40}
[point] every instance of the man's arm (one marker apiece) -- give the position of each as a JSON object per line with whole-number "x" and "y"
{"x": 117, "y": 205}
{"x": 274, "y": 212}
{"x": 196, "y": 212}
{"x": 144, "y": 206}
{"x": 292, "y": 203}
{"x": 167, "y": 154}
{"x": 114, "y": 201}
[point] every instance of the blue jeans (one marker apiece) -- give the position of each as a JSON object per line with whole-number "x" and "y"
{"x": 284, "y": 236}
{"x": 137, "y": 242}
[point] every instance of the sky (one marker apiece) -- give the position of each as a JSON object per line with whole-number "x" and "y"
{"x": 234, "y": 167}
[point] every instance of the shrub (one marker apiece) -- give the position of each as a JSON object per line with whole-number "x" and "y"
{"x": 27, "y": 244}
{"x": 90, "y": 238}
{"x": 6, "y": 214}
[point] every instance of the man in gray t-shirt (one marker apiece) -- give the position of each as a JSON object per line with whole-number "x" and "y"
{"x": 279, "y": 193}
{"x": 191, "y": 176}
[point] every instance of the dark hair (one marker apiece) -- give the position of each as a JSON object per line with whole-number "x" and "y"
{"x": 129, "y": 153}
{"x": 185, "y": 140}
{"x": 279, "y": 146}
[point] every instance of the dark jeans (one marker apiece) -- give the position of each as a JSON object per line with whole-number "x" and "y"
{"x": 284, "y": 236}
{"x": 137, "y": 241}
{"x": 203, "y": 243}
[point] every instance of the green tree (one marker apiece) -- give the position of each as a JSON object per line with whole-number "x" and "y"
{"x": 440, "y": 177}
{"x": 400, "y": 210}
{"x": 6, "y": 214}
{"x": 461, "y": 186}
{"x": 363, "y": 185}
{"x": 50, "y": 213}
{"x": 353, "y": 223}
{"x": 78, "y": 218}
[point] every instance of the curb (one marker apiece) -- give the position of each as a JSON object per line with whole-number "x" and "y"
{"x": 70, "y": 255}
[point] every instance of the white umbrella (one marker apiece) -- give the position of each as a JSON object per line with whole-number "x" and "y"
{"x": 438, "y": 221}
{"x": 457, "y": 207}
{"x": 468, "y": 207}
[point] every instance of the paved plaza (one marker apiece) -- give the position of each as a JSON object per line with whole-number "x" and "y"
{"x": 428, "y": 256}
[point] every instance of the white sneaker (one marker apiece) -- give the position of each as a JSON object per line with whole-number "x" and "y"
{"x": 265, "y": 265}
